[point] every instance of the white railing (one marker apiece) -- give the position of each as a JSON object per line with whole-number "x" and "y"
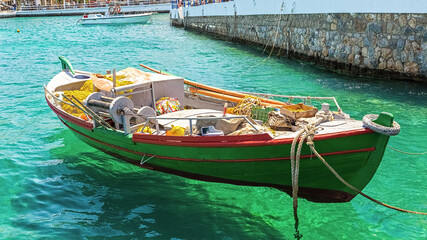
{"x": 190, "y": 3}
{"x": 91, "y": 5}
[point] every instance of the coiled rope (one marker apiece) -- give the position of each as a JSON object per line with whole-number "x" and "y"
{"x": 244, "y": 107}
{"x": 307, "y": 134}
{"x": 368, "y": 121}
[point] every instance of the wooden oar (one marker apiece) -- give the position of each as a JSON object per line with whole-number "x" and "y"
{"x": 218, "y": 90}
{"x": 215, "y": 95}
{"x": 226, "y": 97}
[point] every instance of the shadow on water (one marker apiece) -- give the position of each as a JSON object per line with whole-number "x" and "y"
{"x": 88, "y": 194}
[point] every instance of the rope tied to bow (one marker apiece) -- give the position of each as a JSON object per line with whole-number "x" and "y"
{"x": 307, "y": 135}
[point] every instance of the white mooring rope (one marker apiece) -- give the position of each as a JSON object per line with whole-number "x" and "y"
{"x": 307, "y": 134}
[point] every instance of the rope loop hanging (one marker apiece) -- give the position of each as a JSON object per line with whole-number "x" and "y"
{"x": 307, "y": 135}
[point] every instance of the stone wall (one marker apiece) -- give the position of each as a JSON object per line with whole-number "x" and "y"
{"x": 382, "y": 45}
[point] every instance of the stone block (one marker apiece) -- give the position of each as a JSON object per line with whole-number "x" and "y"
{"x": 411, "y": 68}
{"x": 416, "y": 47}
{"x": 390, "y": 28}
{"x": 412, "y": 22}
{"x": 418, "y": 37}
{"x": 366, "y": 42}
{"x": 399, "y": 66}
{"x": 419, "y": 28}
{"x": 374, "y": 27}
{"x": 401, "y": 44}
{"x": 407, "y": 31}
{"x": 386, "y": 53}
{"x": 420, "y": 59}
{"x": 325, "y": 52}
{"x": 357, "y": 59}
{"x": 383, "y": 43}
{"x": 373, "y": 63}
{"x": 382, "y": 63}
{"x": 391, "y": 65}
{"x": 396, "y": 55}
{"x": 404, "y": 56}
{"x": 370, "y": 17}
{"x": 365, "y": 52}
{"x": 402, "y": 20}
{"x": 350, "y": 58}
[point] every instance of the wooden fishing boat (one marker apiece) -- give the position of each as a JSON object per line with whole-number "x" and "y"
{"x": 130, "y": 129}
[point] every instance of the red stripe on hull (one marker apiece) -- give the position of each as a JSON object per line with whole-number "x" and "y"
{"x": 218, "y": 160}
{"x": 263, "y": 139}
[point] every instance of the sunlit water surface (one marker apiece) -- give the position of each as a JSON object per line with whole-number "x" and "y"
{"x": 52, "y": 186}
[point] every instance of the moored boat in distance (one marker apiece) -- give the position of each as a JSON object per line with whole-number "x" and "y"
{"x": 180, "y": 127}
{"x": 112, "y": 16}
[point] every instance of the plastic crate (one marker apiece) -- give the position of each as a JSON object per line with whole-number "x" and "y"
{"x": 299, "y": 111}
{"x": 261, "y": 113}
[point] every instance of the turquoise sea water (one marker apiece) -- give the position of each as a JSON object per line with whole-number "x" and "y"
{"x": 52, "y": 186}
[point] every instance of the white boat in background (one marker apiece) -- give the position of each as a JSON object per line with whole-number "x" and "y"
{"x": 112, "y": 16}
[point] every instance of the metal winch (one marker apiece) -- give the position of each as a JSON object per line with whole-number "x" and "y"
{"x": 119, "y": 109}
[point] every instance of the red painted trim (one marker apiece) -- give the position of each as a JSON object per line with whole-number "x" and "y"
{"x": 61, "y": 114}
{"x": 263, "y": 139}
{"x": 197, "y": 139}
{"x": 219, "y": 160}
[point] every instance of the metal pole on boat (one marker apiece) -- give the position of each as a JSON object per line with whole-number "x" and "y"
{"x": 114, "y": 78}
{"x": 84, "y": 111}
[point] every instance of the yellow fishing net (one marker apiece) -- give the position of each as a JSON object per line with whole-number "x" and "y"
{"x": 81, "y": 95}
{"x": 245, "y": 106}
{"x": 86, "y": 90}
{"x": 120, "y": 81}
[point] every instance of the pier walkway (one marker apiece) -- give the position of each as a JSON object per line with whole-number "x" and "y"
{"x": 82, "y": 8}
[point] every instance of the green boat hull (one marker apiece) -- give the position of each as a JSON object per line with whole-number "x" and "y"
{"x": 252, "y": 161}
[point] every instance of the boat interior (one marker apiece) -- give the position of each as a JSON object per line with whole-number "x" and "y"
{"x": 135, "y": 101}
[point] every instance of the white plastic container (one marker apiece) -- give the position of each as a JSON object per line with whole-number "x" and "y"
{"x": 211, "y": 131}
